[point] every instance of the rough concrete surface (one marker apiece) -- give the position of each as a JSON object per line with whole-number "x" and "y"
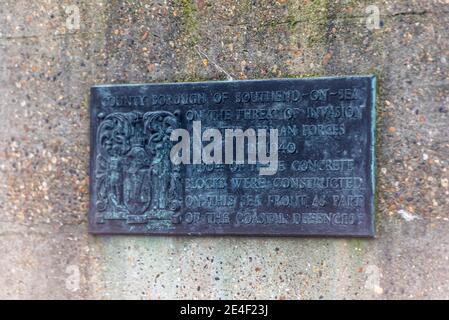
{"x": 48, "y": 64}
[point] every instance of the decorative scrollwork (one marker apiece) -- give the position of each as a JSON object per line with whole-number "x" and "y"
{"x": 135, "y": 176}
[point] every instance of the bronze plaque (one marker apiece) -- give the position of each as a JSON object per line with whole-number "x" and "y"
{"x": 287, "y": 157}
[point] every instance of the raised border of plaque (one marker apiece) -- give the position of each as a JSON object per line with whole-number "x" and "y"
{"x": 324, "y": 178}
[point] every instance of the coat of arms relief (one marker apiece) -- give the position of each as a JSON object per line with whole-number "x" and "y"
{"x": 136, "y": 181}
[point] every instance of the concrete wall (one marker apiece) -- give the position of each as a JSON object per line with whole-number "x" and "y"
{"x": 48, "y": 64}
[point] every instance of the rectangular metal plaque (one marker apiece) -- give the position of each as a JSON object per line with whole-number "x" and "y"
{"x": 285, "y": 157}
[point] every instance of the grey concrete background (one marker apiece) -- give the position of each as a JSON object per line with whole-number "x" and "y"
{"x": 48, "y": 64}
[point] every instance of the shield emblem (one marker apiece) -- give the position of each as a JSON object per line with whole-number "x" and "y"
{"x": 137, "y": 187}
